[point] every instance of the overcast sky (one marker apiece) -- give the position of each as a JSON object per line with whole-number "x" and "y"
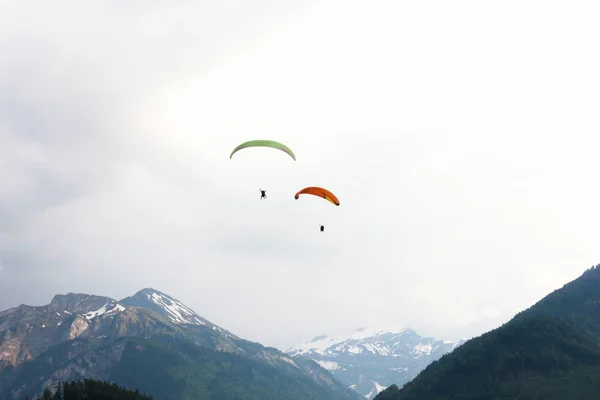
{"x": 462, "y": 139}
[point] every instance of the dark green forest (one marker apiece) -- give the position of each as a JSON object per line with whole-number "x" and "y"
{"x": 92, "y": 390}
{"x": 550, "y": 351}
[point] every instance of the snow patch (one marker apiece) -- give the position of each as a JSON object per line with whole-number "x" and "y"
{"x": 422, "y": 349}
{"x": 373, "y": 348}
{"x": 178, "y": 312}
{"x": 289, "y": 361}
{"x": 378, "y": 387}
{"x": 328, "y": 365}
{"x": 106, "y": 309}
{"x": 119, "y": 307}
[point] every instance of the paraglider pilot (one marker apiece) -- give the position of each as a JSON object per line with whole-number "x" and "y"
{"x": 322, "y": 228}
{"x": 263, "y": 194}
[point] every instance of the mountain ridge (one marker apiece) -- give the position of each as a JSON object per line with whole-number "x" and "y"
{"x": 79, "y": 335}
{"x": 370, "y": 358}
{"x": 549, "y": 351}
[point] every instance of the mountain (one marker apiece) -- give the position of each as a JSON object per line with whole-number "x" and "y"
{"x": 550, "y": 351}
{"x": 151, "y": 342}
{"x": 371, "y": 359}
{"x": 26, "y": 331}
{"x": 168, "y": 307}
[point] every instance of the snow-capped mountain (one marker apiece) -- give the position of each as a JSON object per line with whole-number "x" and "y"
{"x": 371, "y": 359}
{"x": 80, "y": 335}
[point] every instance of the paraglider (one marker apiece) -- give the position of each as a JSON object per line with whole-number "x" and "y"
{"x": 312, "y": 190}
{"x": 319, "y": 192}
{"x": 264, "y": 143}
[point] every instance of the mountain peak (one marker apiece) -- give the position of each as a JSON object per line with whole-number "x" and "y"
{"x": 90, "y": 306}
{"x": 173, "y": 309}
{"x": 149, "y": 291}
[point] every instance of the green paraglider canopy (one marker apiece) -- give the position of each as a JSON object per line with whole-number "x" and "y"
{"x": 264, "y": 143}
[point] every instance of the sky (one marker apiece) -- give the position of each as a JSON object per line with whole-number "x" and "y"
{"x": 460, "y": 137}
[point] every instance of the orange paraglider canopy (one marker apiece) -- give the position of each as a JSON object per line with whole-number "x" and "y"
{"x": 319, "y": 192}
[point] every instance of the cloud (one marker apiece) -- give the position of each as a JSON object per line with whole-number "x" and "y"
{"x": 459, "y": 137}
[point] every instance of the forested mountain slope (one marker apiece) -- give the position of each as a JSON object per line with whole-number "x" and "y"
{"x": 550, "y": 351}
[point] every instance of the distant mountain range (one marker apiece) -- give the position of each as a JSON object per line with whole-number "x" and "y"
{"x": 371, "y": 359}
{"x": 550, "y": 351}
{"x": 151, "y": 342}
